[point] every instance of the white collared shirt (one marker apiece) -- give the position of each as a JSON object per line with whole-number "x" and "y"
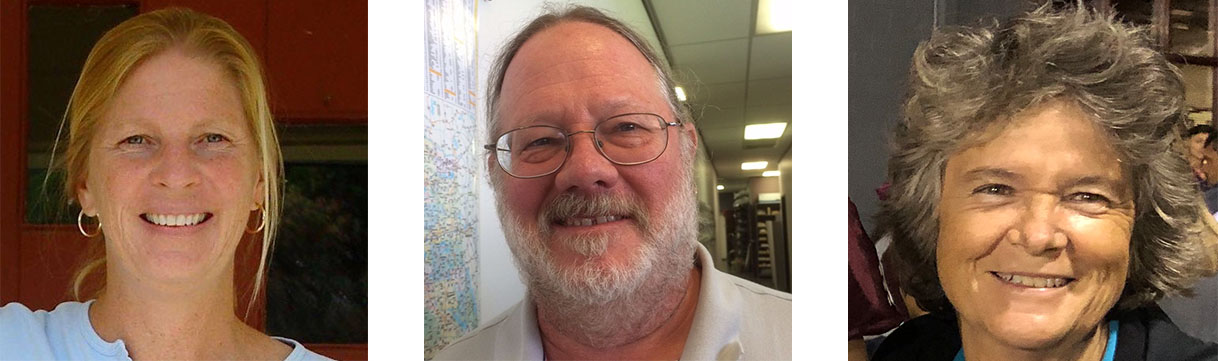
{"x": 735, "y": 320}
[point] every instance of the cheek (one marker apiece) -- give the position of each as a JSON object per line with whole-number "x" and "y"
{"x": 1103, "y": 245}
{"x": 232, "y": 176}
{"x": 656, "y": 183}
{"x": 966, "y": 234}
{"x": 114, "y": 180}
{"x": 524, "y": 196}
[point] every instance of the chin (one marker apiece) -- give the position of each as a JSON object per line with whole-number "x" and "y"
{"x": 1030, "y": 332}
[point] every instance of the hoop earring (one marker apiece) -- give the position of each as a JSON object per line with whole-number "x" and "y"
{"x": 80, "y": 225}
{"x": 261, "y": 223}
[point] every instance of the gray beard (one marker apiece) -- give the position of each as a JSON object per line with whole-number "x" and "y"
{"x": 608, "y": 304}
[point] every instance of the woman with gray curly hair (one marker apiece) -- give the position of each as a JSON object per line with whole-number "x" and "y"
{"x": 1039, "y": 203}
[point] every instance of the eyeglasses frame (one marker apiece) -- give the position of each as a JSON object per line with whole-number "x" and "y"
{"x": 493, "y": 150}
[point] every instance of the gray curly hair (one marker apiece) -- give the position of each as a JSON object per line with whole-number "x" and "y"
{"x": 967, "y": 82}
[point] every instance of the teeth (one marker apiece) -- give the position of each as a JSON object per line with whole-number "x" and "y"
{"x": 175, "y": 220}
{"x": 589, "y": 221}
{"x": 1035, "y": 282}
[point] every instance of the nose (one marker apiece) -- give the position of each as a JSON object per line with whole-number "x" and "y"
{"x": 586, "y": 170}
{"x": 176, "y": 168}
{"x": 1037, "y": 231}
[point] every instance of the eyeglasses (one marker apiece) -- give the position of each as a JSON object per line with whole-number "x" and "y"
{"x": 540, "y": 150}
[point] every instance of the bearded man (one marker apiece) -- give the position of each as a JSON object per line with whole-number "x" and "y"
{"x": 591, "y": 159}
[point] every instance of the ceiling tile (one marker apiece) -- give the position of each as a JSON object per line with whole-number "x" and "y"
{"x": 694, "y": 21}
{"x": 768, "y": 114}
{"x": 722, "y": 136}
{"x": 771, "y": 56}
{"x": 770, "y": 92}
{"x": 723, "y": 95}
{"x": 713, "y": 62}
{"x": 711, "y": 118}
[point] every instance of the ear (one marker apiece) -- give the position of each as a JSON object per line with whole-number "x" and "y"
{"x": 491, "y": 164}
{"x": 88, "y": 203}
{"x": 693, "y": 134}
{"x": 260, "y": 192}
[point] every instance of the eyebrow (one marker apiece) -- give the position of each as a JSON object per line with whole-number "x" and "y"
{"x": 617, "y": 103}
{"x": 1008, "y": 175}
{"x": 987, "y": 172}
{"x": 1095, "y": 180}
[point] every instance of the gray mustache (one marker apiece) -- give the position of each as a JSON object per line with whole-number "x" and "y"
{"x": 571, "y": 204}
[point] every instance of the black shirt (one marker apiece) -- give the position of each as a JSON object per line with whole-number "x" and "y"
{"x": 1144, "y": 334}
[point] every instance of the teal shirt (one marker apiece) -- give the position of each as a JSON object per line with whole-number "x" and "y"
{"x": 1109, "y": 350}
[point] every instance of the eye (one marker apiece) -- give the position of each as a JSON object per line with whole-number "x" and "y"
{"x": 625, "y": 127}
{"x": 135, "y": 140}
{"x": 214, "y": 138}
{"x": 540, "y": 142}
{"x": 994, "y": 189}
{"x": 1089, "y": 198}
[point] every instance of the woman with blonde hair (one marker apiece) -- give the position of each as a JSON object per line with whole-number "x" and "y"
{"x": 173, "y": 158}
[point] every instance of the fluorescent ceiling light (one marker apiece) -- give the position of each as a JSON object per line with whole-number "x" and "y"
{"x": 774, "y": 16}
{"x": 719, "y": 187}
{"x": 764, "y": 131}
{"x": 754, "y": 165}
{"x": 680, "y": 93}
{"x": 771, "y": 173}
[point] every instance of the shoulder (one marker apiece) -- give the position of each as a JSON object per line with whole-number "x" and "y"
{"x": 764, "y": 317}
{"x": 754, "y": 293}
{"x": 29, "y": 334}
{"x": 299, "y": 352}
{"x": 1148, "y": 334}
{"x": 928, "y": 337}
{"x": 510, "y": 335}
{"x": 770, "y": 307}
{"x": 19, "y": 322}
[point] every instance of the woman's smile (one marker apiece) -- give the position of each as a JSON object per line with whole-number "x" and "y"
{"x": 178, "y": 220}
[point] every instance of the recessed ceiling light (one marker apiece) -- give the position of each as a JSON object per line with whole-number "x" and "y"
{"x": 774, "y": 16}
{"x": 719, "y": 187}
{"x": 680, "y": 93}
{"x": 771, "y": 173}
{"x": 764, "y": 131}
{"x": 754, "y": 165}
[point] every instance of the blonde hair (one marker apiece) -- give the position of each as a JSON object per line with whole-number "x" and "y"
{"x": 124, "y": 48}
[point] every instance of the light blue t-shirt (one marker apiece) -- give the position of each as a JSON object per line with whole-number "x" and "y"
{"x": 67, "y": 334}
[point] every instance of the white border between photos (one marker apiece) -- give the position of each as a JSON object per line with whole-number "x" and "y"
{"x": 818, "y": 174}
{"x": 395, "y": 180}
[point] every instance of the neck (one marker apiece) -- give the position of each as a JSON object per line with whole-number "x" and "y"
{"x": 158, "y": 322}
{"x": 1086, "y": 347}
{"x": 617, "y": 331}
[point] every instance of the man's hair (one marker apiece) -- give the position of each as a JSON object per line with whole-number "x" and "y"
{"x": 966, "y": 84}
{"x": 1209, "y": 140}
{"x": 555, "y": 16}
{"x": 1202, "y": 128}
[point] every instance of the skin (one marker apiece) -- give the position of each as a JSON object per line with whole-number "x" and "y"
{"x": 1196, "y": 144}
{"x": 1045, "y": 197}
{"x": 174, "y": 140}
{"x": 572, "y": 76}
{"x": 1209, "y": 166}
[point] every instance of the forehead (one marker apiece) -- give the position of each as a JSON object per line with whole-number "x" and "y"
{"x": 1053, "y": 140}
{"x": 175, "y": 85}
{"x": 576, "y": 66}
